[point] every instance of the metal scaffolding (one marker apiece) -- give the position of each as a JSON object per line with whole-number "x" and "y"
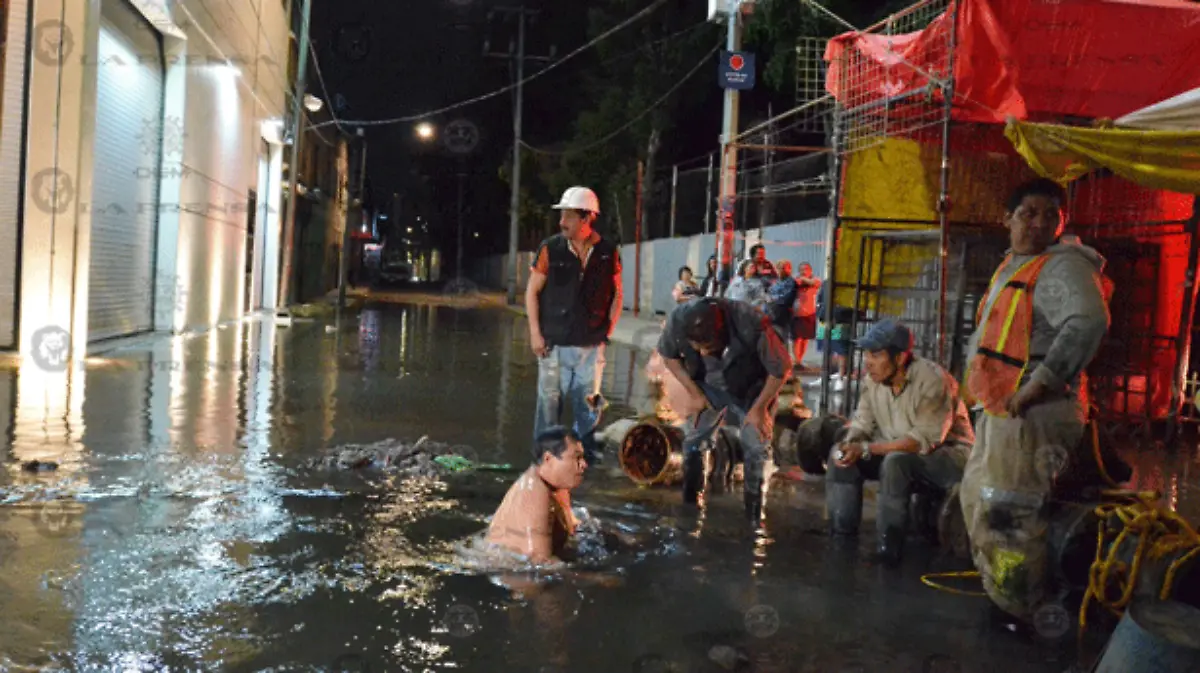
{"x": 916, "y": 208}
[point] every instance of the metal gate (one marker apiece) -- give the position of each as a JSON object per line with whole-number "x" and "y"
{"x": 898, "y": 279}
{"x": 128, "y": 151}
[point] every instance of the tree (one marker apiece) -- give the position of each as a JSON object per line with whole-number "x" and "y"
{"x": 619, "y": 121}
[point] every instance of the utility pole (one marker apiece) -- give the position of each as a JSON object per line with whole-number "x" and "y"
{"x": 289, "y": 217}
{"x": 516, "y": 57}
{"x": 728, "y": 189}
{"x": 362, "y": 206}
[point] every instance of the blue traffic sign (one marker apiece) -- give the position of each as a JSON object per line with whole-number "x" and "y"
{"x": 737, "y": 70}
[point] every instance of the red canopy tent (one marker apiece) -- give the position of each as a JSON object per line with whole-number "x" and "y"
{"x": 1034, "y": 59}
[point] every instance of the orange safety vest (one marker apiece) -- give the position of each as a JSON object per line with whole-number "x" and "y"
{"x": 994, "y": 374}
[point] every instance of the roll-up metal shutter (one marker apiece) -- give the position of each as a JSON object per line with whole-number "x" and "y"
{"x": 14, "y": 17}
{"x": 128, "y": 149}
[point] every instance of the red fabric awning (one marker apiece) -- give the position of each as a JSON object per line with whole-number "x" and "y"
{"x": 1032, "y": 59}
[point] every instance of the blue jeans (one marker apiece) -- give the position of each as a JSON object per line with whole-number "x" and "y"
{"x": 754, "y": 450}
{"x": 573, "y": 372}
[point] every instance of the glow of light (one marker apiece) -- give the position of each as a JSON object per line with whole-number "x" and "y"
{"x": 312, "y": 103}
{"x": 425, "y": 131}
{"x": 272, "y": 130}
{"x": 403, "y": 342}
{"x": 477, "y": 234}
{"x": 410, "y": 230}
{"x": 216, "y": 288}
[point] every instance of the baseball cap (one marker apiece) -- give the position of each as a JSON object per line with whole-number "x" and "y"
{"x": 579, "y": 198}
{"x": 887, "y": 334}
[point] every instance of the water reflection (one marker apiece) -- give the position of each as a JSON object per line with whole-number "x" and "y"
{"x": 192, "y": 539}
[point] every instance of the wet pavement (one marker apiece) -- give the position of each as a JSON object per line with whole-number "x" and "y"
{"x": 182, "y": 530}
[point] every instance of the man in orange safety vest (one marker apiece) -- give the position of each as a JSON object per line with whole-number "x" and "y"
{"x": 1039, "y": 325}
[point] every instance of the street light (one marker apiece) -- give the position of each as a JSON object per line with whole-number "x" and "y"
{"x": 312, "y": 103}
{"x": 425, "y": 131}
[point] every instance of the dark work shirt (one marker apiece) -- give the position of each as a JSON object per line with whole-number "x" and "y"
{"x": 742, "y": 317}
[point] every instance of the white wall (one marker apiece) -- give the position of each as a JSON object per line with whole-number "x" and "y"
{"x": 223, "y": 107}
{"x": 660, "y": 260}
{"x": 204, "y": 184}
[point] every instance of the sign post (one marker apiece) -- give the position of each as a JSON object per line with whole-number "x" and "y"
{"x": 736, "y": 74}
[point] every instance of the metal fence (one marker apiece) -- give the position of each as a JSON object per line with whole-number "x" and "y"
{"x": 650, "y": 289}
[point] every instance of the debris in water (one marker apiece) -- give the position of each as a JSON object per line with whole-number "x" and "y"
{"x": 728, "y": 658}
{"x": 39, "y": 466}
{"x": 417, "y": 459}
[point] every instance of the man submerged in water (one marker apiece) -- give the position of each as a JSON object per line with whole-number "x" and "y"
{"x": 535, "y": 518}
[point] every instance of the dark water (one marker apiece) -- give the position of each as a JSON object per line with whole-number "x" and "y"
{"x": 194, "y": 540}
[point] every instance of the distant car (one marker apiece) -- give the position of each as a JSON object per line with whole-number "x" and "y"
{"x": 395, "y": 273}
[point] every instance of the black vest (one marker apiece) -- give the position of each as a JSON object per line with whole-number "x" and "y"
{"x": 575, "y": 303}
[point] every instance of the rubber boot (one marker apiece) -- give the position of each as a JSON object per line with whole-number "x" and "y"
{"x": 924, "y": 507}
{"x": 843, "y": 504}
{"x": 890, "y": 550}
{"x": 892, "y": 522}
{"x": 693, "y": 477}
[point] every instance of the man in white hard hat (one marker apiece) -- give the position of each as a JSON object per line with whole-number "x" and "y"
{"x": 573, "y": 301}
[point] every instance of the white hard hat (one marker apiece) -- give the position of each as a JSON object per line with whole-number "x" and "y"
{"x": 579, "y": 198}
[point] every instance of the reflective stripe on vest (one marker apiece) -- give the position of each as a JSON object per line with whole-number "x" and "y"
{"x": 1002, "y": 356}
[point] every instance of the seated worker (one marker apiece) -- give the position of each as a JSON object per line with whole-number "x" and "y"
{"x": 910, "y": 426}
{"x": 728, "y": 357}
{"x": 535, "y": 519}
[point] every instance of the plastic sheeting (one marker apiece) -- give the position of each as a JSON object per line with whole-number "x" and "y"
{"x": 1181, "y": 113}
{"x": 1167, "y": 160}
{"x": 1031, "y": 58}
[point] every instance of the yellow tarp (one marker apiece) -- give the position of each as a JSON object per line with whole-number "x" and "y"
{"x": 1167, "y": 160}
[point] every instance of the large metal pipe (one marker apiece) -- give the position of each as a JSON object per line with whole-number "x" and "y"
{"x": 651, "y": 453}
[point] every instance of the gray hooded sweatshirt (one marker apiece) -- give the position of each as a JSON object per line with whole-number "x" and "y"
{"x": 1070, "y": 317}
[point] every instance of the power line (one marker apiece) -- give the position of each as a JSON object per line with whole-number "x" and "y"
{"x": 633, "y": 121}
{"x": 478, "y": 99}
{"x": 691, "y": 29}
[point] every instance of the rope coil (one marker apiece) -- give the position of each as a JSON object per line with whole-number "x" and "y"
{"x": 1160, "y": 533}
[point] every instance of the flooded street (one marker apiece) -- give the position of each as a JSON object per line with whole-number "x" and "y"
{"x": 183, "y": 531}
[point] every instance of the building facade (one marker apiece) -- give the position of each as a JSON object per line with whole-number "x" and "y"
{"x": 141, "y": 166}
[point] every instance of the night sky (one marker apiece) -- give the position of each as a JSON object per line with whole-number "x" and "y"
{"x": 398, "y": 58}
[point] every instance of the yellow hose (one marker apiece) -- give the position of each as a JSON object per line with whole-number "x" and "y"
{"x": 925, "y": 579}
{"x": 1160, "y": 532}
